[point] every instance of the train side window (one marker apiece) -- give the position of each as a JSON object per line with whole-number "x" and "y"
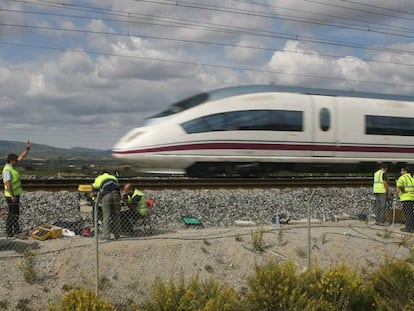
{"x": 382, "y": 125}
{"x": 324, "y": 119}
{"x": 253, "y": 120}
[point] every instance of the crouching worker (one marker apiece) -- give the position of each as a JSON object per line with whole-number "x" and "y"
{"x": 138, "y": 208}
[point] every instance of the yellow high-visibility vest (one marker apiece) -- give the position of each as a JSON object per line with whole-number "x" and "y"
{"x": 406, "y": 182}
{"x": 15, "y": 181}
{"x": 378, "y": 182}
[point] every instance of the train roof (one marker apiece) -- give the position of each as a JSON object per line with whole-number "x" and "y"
{"x": 252, "y": 89}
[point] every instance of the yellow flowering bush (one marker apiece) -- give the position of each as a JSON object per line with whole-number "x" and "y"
{"x": 342, "y": 286}
{"x": 197, "y": 295}
{"x": 276, "y": 286}
{"x": 273, "y": 286}
{"x": 82, "y": 300}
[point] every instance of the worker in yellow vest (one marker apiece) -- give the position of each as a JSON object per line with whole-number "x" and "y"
{"x": 13, "y": 190}
{"x": 405, "y": 190}
{"x": 135, "y": 199}
{"x": 382, "y": 193}
{"x": 109, "y": 188}
{"x": 138, "y": 208}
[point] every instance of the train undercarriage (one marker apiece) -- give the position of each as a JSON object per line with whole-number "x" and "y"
{"x": 270, "y": 169}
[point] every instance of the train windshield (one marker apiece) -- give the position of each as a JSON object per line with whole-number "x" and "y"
{"x": 183, "y": 105}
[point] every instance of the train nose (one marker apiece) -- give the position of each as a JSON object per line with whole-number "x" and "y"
{"x": 127, "y": 142}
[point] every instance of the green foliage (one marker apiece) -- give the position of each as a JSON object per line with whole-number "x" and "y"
{"x": 4, "y": 304}
{"x": 280, "y": 235}
{"x": 23, "y": 305}
{"x": 386, "y": 234}
{"x": 257, "y": 239}
{"x": 393, "y": 284}
{"x": 324, "y": 238}
{"x": 301, "y": 252}
{"x": 197, "y": 295}
{"x": 404, "y": 241}
{"x": 209, "y": 268}
{"x": 410, "y": 259}
{"x": 82, "y": 300}
{"x": 104, "y": 283}
{"x": 28, "y": 266}
{"x": 238, "y": 238}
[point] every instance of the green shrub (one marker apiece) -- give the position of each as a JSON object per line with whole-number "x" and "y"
{"x": 197, "y": 295}
{"x": 82, "y": 300}
{"x": 393, "y": 284}
{"x": 28, "y": 266}
{"x": 257, "y": 239}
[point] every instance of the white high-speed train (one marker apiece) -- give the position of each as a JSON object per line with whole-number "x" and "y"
{"x": 259, "y": 130}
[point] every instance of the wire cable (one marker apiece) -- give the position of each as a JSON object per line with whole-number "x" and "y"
{"x": 206, "y": 64}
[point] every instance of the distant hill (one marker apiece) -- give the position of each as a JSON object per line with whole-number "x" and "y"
{"x": 45, "y": 151}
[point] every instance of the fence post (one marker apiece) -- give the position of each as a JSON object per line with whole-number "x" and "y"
{"x": 309, "y": 229}
{"x": 95, "y": 224}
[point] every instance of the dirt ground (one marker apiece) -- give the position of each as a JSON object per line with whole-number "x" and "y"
{"x": 125, "y": 269}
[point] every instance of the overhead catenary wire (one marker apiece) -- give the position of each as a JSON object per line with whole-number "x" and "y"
{"x": 205, "y": 64}
{"x": 260, "y": 14}
{"x": 33, "y": 27}
{"x": 364, "y": 11}
{"x": 131, "y": 18}
{"x": 182, "y": 23}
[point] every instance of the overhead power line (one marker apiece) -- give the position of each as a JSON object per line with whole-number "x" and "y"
{"x": 134, "y": 18}
{"x": 33, "y": 27}
{"x": 222, "y": 9}
{"x": 370, "y": 12}
{"x": 180, "y": 62}
{"x": 216, "y": 28}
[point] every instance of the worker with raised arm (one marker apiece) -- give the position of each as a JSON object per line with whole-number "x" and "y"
{"x": 13, "y": 189}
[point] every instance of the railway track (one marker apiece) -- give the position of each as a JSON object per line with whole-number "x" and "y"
{"x": 203, "y": 183}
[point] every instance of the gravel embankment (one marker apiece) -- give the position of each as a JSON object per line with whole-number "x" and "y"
{"x": 215, "y": 208}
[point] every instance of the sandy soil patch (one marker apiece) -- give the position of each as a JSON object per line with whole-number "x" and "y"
{"x": 128, "y": 267}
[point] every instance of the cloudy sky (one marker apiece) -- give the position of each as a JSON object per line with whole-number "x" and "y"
{"x": 84, "y": 72}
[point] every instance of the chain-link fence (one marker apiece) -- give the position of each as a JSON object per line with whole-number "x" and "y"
{"x": 59, "y": 249}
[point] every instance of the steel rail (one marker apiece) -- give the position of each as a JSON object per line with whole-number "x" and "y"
{"x": 204, "y": 183}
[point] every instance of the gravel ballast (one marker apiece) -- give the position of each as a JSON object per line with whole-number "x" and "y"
{"x": 215, "y": 208}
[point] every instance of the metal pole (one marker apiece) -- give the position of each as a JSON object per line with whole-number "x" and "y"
{"x": 309, "y": 229}
{"x": 95, "y": 223}
{"x": 394, "y": 205}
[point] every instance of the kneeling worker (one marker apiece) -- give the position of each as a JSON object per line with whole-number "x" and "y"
{"x": 135, "y": 200}
{"x": 138, "y": 208}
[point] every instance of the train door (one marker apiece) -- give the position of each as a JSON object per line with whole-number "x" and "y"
{"x": 324, "y": 120}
